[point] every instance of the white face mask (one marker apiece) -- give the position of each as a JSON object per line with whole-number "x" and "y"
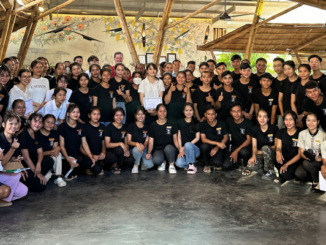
{"x": 137, "y": 80}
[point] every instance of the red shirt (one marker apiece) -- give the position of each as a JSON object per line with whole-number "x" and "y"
{"x": 113, "y": 75}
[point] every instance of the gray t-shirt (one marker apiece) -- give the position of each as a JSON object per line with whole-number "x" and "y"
{"x": 306, "y": 141}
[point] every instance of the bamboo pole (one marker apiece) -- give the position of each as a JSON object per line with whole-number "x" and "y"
{"x": 126, "y": 32}
{"x": 5, "y": 29}
{"x": 11, "y": 27}
{"x": 191, "y": 15}
{"x": 26, "y": 6}
{"x": 298, "y": 57}
{"x": 213, "y": 55}
{"x": 54, "y": 9}
{"x": 315, "y": 3}
{"x": 161, "y": 32}
{"x": 309, "y": 42}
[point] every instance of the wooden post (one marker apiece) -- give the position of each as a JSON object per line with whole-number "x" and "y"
{"x": 192, "y": 14}
{"x": 253, "y": 31}
{"x": 298, "y": 57}
{"x": 213, "y": 55}
{"x": 54, "y": 9}
{"x": 5, "y": 30}
{"x": 5, "y": 46}
{"x": 126, "y": 32}
{"x": 26, "y": 6}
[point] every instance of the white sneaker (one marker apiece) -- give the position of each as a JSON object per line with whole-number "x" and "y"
{"x": 48, "y": 176}
{"x": 172, "y": 169}
{"x": 135, "y": 170}
{"x": 60, "y": 182}
{"x": 162, "y": 166}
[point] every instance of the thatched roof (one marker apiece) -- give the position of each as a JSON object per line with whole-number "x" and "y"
{"x": 314, "y": 3}
{"x": 274, "y": 38}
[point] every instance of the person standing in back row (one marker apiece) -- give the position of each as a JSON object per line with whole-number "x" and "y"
{"x": 315, "y": 64}
{"x": 261, "y": 66}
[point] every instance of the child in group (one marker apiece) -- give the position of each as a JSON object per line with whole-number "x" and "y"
{"x": 62, "y": 81}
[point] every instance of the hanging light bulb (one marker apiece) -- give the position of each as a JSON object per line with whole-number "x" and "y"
{"x": 41, "y": 9}
{"x": 143, "y": 34}
{"x": 20, "y": 2}
{"x": 206, "y": 34}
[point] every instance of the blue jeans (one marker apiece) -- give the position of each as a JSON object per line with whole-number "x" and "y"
{"x": 123, "y": 106}
{"x": 105, "y": 123}
{"x": 146, "y": 163}
{"x": 192, "y": 152}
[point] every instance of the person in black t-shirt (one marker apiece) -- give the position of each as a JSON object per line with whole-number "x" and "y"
{"x": 263, "y": 147}
{"x": 133, "y": 101}
{"x": 288, "y": 158}
{"x": 176, "y": 97}
{"x": 34, "y": 159}
{"x": 266, "y": 97}
{"x": 217, "y": 82}
{"x": 49, "y": 141}
{"x": 203, "y": 96}
{"x": 239, "y": 129}
{"x": 95, "y": 79}
{"x": 59, "y": 69}
{"x": 4, "y": 97}
{"x": 246, "y": 87}
{"x": 104, "y": 96}
{"x": 189, "y": 82}
{"x": 261, "y": 66}
{"x": 211, "y": 68}
{"x": 226, "y": 95}
{"x": 18, "y": 107}
{"x": 203, "y": 67}
{"x": 82, "y": 97}
{"x": 167, "y": 80}
{"x": 116, "y": 142}
{"x": 163, "y": 141}
{"x": 278, "y": 64}
{"x": 188, "y": 138}
{"x": 75, "y": 70}
{"x": 315, "y": 64}
{"x": 236, "y": 62}
{"x": 214, "y": 136}
{"x": 137, "y": 136}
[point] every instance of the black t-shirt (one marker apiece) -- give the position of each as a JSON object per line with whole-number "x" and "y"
{"x": 289, "y": 143}
{"x": 53, "y": 82}
{"x": 235, "y": 76}
{"x": 5, "y": 145}
{"x": 197, "y": 81}
{"x": 320, "y": 110}
{"x": 239, "y": 131}
{"x": 192, "y": 90}
{"x": 255, "y": 77}
{"x": 4, "y": 99}
{"x": 188, "y": 130}
{"x": 317, "y": 79}
{"x": 162, "y": 134}
{"x": 84, "y": 101}
{"x": 27, "y": 142}
{"x": 72, "y": 137}
{"x": 175, "y": 107}
{"x": 124, "y": 85}
{"x": 132, "y": 105}
{"x": 138, "y": 135}
{"x": 116, "y": 134}
{"x": 47, "y": 142}
{"x": 264, "y": 138}
{"x": 23, "y": 123}
{"x": 246, "y": 91}
{"x": 277, "y": 84}
{"x": 92, "y": 83}
{"x": 300, "y": 94}
{"x": 322, "y": 85}
{"x": 200, "y": 99}
{"x": 285, "y": 89}
{"x": 11, "y": 83}
{"x": 265, "y": 102}
{"x": 215, "y": 81}
{"x": 105, "y": 98}
{"x": 215, "y": 133}
{"x": 73, "y": 84}
{"x": 228, "y": 99}
{"x": 94, "y": 137}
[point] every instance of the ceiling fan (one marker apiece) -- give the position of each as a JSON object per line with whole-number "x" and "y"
{"x": 226, "y": 16}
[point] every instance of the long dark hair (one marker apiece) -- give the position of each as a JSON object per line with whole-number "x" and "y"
{"x": 193, "y": 128}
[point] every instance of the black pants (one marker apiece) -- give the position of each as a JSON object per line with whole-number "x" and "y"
{"x": 290, "y": 172}
{"x": 245, "y": 153}
{"x": 217, "y": 159}
{"x": 85, "y": 163}
{"x": 34, "y": 183}
{"x": 116, "y": 155}
{"x": 309, "y": 171}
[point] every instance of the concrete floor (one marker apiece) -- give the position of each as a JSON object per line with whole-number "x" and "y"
{"x": 157, "y": 208}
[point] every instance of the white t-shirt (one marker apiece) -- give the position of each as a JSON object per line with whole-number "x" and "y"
{"x": 151, "y": 89}
{"x": 51, "y": 108}
{"x": 15, "y": 93}
{"x": 39, "y": 88}
{"x": 49, "y": 94}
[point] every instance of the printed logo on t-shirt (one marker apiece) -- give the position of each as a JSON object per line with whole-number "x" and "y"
{"x": 111, "y": 94}
{"x": 122, "y": 88}
{"x": 184, "y": 95}
{"x": 90, "y": 99}
{"x": 15, "y": 83}
{"x": 294, "y": 142}
{"x": 270, "y": 138}
{"x": 318, "y": 141}
{"x": 193, "y": 90}
{"x": 79, "y": 132}
{"x": 270, "y": 102}
{"x": 242, "y": 130}
{"x": 36, "y": 142}
{"x": 1, "y": 96}
{"x": 250, "y": 89}
{"x": 144, "y": 134}
{"x": 123, "y": 134}
{"x": 51, "y": 141}
{"x": 168, "y": 130}
{"x": 218, "y": 130}
{"x": 324, "y": 111}
{"x": 100, "y": 133}
{"x": 233, "y": 98}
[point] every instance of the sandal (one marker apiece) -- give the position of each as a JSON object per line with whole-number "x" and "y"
{"x": 246, "y": 172}
{"x": 116, "y": 170}
{"x": 207, "y": 170}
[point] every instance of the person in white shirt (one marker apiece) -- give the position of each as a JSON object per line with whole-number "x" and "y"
{"x": 21, "y": 90}
{"x": 38, "y": 86}
{"x": 62, "y": 81}
{"x": 57, "y": 107}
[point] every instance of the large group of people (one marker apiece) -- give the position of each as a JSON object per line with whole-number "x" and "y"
{"x": 64, "y": 120}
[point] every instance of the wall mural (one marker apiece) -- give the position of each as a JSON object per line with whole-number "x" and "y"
{"x": 67, "y": 44}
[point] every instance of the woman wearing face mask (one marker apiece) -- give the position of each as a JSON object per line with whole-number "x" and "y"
{"x": 31, "y": 149}
{"x": 59, "y": 69}
{"x": 133, "y": 101}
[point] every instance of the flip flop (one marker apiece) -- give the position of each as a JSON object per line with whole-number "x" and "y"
{"x": 246, "y": 172}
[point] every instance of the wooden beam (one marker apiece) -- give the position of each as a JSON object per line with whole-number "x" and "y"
{"x": 11, "y": 27}
{"x": 126, "y": 32}
{"x": 298, "y": 57}
{"x": 3, "y": 7}
{"x": 54, "y": 9}
{"x": 229, "y": 11}
{"x": 309, "y": 42}
{"x": 5, "y": 30}
{"x": 192, "y": 14}
{"x": 161, "y": 33}
{"x": 140, "y": 12}
{"x": 213, "y": 55}
{"x": 314, "y": 3}
{"x": 26, "y": 6}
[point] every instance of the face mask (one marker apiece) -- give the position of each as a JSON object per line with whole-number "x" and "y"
{"x": 137, "y": 80}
